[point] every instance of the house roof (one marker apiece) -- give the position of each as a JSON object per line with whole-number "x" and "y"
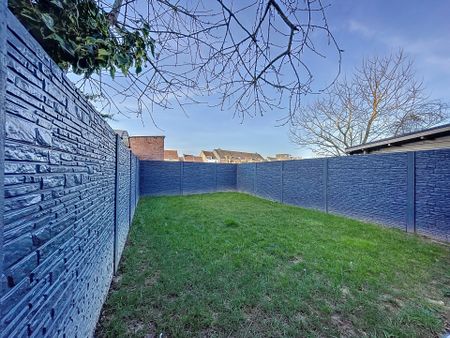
{"x": 147, "y": 136}
{"x": 207, "y": 153}
{"x": 431, "y": 133}
{"x": 171, "y": 155}
{"x": 238, "y": 155}
{"x": 192, "y": 158}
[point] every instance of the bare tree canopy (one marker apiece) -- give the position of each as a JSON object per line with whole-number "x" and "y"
{"x": 253, "y": 56}
{"x": 383, "y": 98}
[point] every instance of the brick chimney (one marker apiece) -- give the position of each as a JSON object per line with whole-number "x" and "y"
{"x": 147, "y": 147}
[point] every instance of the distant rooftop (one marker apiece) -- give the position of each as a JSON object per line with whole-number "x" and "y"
{"x": 192, "y": 158}
{"x": 238, "y": 156}
{"x": 170, "y": 155}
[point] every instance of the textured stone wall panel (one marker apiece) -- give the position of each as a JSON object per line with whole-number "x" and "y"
{"x": 225, "y": 177}
{"x": 303, "y": 183}
{"x": 246, "y": 175}
{"x": 133, "y": 184}
{"x": 269, "y": 180}
{"x": 198, "y": 178}
{"x": 123, "y": 199}
{"x": 59, "y": 197}
{"x": 433, "y": 193}
{"x": 158, "y": 178}
{"x": 369, "y": 187}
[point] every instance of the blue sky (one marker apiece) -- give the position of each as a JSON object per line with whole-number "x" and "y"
{"x": 363, "y": 29}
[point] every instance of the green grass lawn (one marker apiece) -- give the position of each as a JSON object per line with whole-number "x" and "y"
{"x": 233, "y": 265}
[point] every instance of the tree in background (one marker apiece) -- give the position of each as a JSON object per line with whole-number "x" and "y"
{"x": 383, "y": 98}
{"x": 251, "y": 54}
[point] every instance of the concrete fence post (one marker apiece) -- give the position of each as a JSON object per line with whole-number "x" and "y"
{"x": 138, "y": 180}
{"x": 130, "y": 172}
{"x": 411, "y": 193}
{"x": 325, "y": 184}
{"x": 116, "y": 206}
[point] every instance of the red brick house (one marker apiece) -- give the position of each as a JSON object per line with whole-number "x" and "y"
{"x": 147, "y": 147}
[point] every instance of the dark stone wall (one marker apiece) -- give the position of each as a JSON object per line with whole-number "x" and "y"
{"x": 198, "y": 178}
{"x": 304, "y": 184}
{"x": 160, "y": 178}
{"x": 432, "y": 198}
{"x": 61, "y": 225}
{"x": 183, "y": 178}
{"x": 246, "y": 176}
{"x": 225, "y": 177}
{"x": 268, "y": 182}
{"x": 408, "y": 191}
{"x": 123, "y": 199}
{"x": 370, "y": 187}
{"x": 3, "y": 64}
{"x": 134, "y": 184}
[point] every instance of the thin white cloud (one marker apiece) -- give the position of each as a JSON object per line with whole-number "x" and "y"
{"x": 433, "y": 52}
{"x": 360, "y": 28}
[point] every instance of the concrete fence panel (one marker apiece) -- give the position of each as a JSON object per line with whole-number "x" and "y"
{"x": 369, "y": 187}
{"x": 198, "y": 178}
{"x": 432, "y": 193}
{"x": 60, "y": 223}
{"x": 246, "y": 177}
{"x": 268, "y": 181}
{"x": 184, "y": 178}
{"x": 304, "y": 183}
{"x": 409, "y": 191}
{"x": 225, "y": 177}
{"x": 160, "y": 178}
{"x": 122, "y": 200}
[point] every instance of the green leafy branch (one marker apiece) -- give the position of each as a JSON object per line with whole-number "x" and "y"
{"x": 81, "y": 37}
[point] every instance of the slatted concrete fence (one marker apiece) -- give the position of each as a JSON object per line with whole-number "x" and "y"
{"x": 408, "y": 191}
{"x": 70, "y": 189}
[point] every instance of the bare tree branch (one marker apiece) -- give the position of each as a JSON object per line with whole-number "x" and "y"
{"x": 250, "y": 56}
{"x": 383, "y": 99}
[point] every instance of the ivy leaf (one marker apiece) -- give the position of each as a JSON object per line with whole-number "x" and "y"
{"x": 138, "y": 68}
{"x": 112, "y": 71}
{"x": 77, "y": 34}
{"x": 57, "y": 3}
{"x": 48, "y": 21}
{"x": 103, "y": 54}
